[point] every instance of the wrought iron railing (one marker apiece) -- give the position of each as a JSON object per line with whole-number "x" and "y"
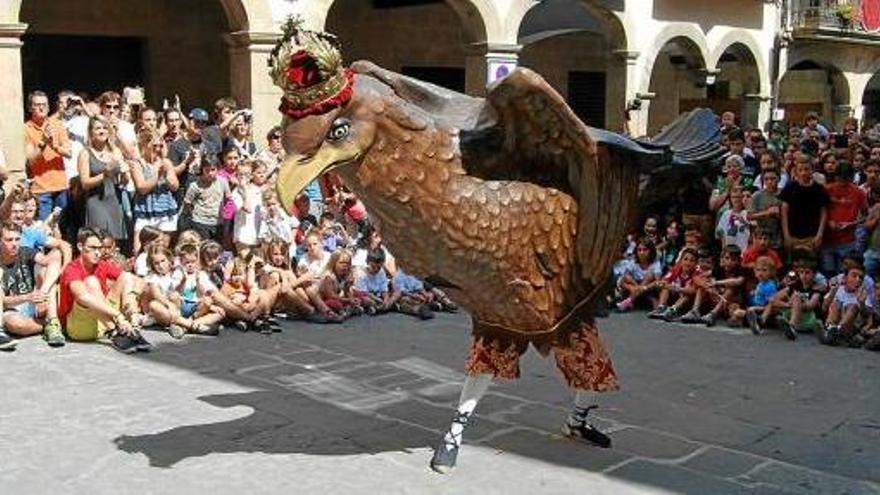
{"x": 839, "y": 15}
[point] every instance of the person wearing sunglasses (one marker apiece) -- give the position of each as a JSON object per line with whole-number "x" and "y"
{"x": 97, "y": 299}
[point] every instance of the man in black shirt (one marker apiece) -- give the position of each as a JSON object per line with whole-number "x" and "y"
{"x": 29, "y": 305}
{"x": 804, "y": 208}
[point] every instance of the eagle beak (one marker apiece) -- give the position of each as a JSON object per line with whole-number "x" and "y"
{"x": 294, "y": 174}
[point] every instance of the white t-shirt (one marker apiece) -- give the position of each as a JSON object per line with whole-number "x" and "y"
{"x": 639, "y": 274}
{"x": 278, "y": 227}
{"x": 315, "y": 268}
{"x": 247, "y": 223}
{"x": 733, "y": 228}
{"x": 165, "y": 283}
{"x": 845, "y": 298}
{"x": 140, "y": 265}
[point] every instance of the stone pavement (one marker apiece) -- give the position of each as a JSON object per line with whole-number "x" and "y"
{"x": 357, "y": 408}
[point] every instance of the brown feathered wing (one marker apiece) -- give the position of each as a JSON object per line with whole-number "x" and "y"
{"x": 527, "y": 132}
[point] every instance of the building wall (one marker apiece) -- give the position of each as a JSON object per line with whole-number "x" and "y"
{"x": 184, "y": 52}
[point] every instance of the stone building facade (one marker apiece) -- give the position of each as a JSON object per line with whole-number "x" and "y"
{"x": 667, "y": 56}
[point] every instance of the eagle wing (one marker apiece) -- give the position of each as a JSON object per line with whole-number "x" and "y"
{"x": 526, "y": 132}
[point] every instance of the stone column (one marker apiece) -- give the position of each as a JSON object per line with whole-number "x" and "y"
{"x": 622, "y": 86}
{"x": 12, "y": 98}
{"x": 249, "y": 77}
{"x": 755, "y": 110}
{"x": 487, "y": 62}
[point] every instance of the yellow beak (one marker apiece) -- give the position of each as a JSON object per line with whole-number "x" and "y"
{"x": 297, "y": 171}
{"x": 294, "y": 174}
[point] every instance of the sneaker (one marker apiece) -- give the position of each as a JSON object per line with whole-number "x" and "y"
{"x": 142, "y": 344}
{"x": 448, "y": 305}
{"x": 787, "y": 329}
{"x": 657, "y": 313}
{"x": 435, "y": 306}
{"x": 371, "y": 310}
{"x": 830, "y": 335}
{"x": 691, "y": 317}
{"x": 708, "y": 319}
{"x": 176, "y": 331}
{"x": 123, "y": 343}
{"x": 625, "y": 305}
{"x": 241, "y": 326}
{"x": 754, "y": 324}
{"x": 588, "y": 433}
{"x": 670, "y": 315}
{"x": 7, "y": 343}
{"x": 52, "y": 333}
{"x": 282, "y": 315}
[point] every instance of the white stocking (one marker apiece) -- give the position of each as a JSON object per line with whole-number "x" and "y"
{"x": 583, "y": 401}
{"x": 475, "y": 386}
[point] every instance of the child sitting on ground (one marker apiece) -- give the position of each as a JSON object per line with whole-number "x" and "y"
{"x": 721, "y": 289}
{"x": 241, "y": 288}
{"x": 163, "y": 302}
{"x": 336, "y": 286}
{"x": 757, "y": 314}
{"x": 677, "y": 286}
{"x": 798, "y": 303}
{"x": 195, "y": 288}
{"x": 849, "y": 309}
{"x": 414, "y": 299}
{"x": 638, "y": 276}
{"x": 374, "y": 285}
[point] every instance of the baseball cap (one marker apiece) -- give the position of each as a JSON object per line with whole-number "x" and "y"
{"x": 199, "y": 114}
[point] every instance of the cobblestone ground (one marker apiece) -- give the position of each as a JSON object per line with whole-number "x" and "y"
{"x": 357, "y": 408}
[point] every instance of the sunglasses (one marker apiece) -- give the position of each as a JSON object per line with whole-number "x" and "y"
{"x": 275, "y": 136}
{"x": 111, "y": 107}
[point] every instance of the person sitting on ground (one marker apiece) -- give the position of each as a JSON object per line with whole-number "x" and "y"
{"x": 29, "y": 298}
{"x": 677, "y": 286}
{"x": 336, "y": 286}
{"x": 760, "y": 246}
{"x": 148, "y": 237}
{"x": 798, "y": 302}
{"x": 667, "y": 250}
{"x": 720, "y": 289}
{"x": 849, "y": 309}
{"x": 197, "y": 292}
{"x": 277, "y": 277}
{"x": 242, "y": 289}
{"x": 414, "y": 299}
{"x": 310, "y": 271}
{"x": 638, "y": 276}
{"x": 97, "y": 298}
{"x": 374, "y": 284}
{"x": 757, "y": 313}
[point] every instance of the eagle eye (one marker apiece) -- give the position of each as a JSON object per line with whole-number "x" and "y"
{"x": 339, "y": 130}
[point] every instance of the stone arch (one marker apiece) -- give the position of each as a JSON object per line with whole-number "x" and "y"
{"x": 242, "y": 15}
{"x": 678, "y": 80}
{"x": 811, "y": 84}
{"x": 745, "y": 46}
{"x": 478, "y": 17}
{"x": 689, "y": 34}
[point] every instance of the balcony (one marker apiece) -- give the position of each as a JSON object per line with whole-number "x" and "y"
{"x": 851, "y": 21}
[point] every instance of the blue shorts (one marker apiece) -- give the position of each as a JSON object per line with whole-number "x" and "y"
{"x": 28, "y": 310}
{"x": 188, "y": 308}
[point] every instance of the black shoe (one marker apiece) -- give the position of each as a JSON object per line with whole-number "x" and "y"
{"x": 7, "y": 343}
{"x": 446, "y": 454}
{"x": 124, "y": 343}
{"x": 371, "y": 310}
{"x": 241, "y": 326}
{"x": 830, "y": 335}
{"x": 142, "y": 344}
{"x": 787, "y": 329}
{"x": 424, "y": 312}
{"x": 262, "y": 326}
{"x": 582, "y": 429}
{"x": 586, "y": 431}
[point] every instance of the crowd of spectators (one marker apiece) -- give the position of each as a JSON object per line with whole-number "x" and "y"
{"x": 780, "y": 233}
{"x": 133, "y": 217}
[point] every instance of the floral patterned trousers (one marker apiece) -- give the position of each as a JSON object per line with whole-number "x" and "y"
{"x": 583, "y": 360}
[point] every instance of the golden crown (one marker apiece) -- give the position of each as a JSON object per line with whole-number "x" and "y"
{"x": 307, "y": 66}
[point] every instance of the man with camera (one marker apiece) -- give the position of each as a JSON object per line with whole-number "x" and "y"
{"x": 47, "y": 145}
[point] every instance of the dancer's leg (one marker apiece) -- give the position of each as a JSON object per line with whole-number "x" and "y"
{"x": 475, "y": 386}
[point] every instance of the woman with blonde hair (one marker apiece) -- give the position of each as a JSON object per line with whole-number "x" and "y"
{"x": 155, "y": 183}
{"x": 102, "y": 168}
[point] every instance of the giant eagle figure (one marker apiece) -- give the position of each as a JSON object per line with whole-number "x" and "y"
{"x": 510, "y": 203}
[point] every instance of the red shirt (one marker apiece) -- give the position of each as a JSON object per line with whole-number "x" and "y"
{"x": 751, "y": 254}
{"x": 847, "y": 200}
{"x": 676, "y": 276}
{"x": 74, "y": 271}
